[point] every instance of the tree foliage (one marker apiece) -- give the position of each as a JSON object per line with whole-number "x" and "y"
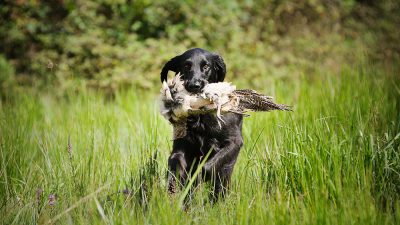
{"x": 109, "y": 44}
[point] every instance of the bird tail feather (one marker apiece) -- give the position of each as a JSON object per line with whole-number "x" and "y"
{"x": 250, "y": 100}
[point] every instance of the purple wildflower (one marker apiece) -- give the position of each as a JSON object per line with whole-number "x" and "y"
{"x": 52, "y": 199}
{"x": 126, "y": 192}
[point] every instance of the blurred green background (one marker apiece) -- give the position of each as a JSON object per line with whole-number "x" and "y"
{"x": 109, "y": 45}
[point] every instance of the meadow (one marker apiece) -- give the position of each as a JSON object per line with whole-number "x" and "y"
{"x": 82, "y": 141}
{"x": 83, "y": 158}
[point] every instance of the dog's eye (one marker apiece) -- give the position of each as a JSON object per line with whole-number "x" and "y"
{"x": 206, "y": 67}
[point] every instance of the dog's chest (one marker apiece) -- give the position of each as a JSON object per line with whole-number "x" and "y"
{"x": 205, "y": 125}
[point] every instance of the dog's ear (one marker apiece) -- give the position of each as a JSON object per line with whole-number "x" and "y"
{"x": 172, "y": 65}
{"x": 219, "y": 68}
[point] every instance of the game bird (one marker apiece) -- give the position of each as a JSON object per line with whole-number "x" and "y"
{"x": 222, "y": 97}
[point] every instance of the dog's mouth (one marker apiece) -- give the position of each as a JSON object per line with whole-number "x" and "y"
{"x": 194, "y": 90}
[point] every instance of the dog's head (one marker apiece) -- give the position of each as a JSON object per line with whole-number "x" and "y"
{"x": 197, "y": 68}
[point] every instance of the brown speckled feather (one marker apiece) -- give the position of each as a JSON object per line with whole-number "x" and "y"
{"x": 250, "y": 100}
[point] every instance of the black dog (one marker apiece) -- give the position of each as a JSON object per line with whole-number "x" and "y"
{"x": 199, "y": 67}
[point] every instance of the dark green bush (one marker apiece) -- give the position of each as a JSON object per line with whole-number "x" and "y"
{"x": 109, "y": 44}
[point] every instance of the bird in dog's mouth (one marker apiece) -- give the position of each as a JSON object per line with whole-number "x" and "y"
{"x": 177, "y": 104}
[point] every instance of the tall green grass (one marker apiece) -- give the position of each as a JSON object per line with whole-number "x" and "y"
{"x": 334, "y": 160}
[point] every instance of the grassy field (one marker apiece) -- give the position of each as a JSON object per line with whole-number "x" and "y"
{"x": 85, "y": 159}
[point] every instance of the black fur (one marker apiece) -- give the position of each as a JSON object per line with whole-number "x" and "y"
{"x": 199, "y": 67}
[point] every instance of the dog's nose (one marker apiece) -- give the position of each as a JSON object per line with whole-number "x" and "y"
{"x": 195, "y": 86}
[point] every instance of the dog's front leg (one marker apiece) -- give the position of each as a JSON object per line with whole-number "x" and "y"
{"x": 178, "y": 163}
{"x": 219, "y": 168}
{"x": 177, "y": 171}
